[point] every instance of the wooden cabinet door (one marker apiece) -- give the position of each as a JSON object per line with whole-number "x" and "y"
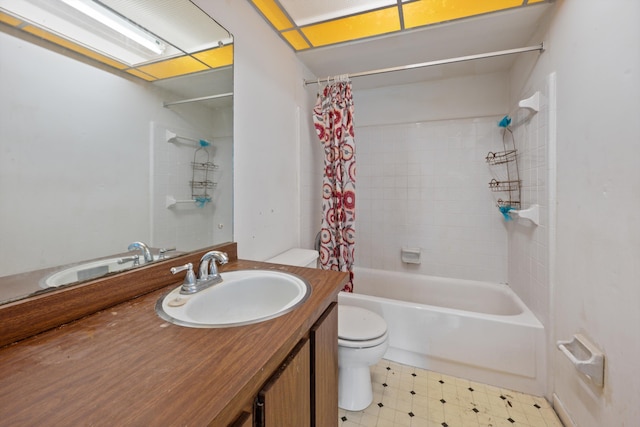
{"x": 286, "y": 399}
{"x": 244, "y": 420}
{"x": 324, "y": 378}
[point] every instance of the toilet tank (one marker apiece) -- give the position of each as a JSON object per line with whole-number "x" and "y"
{"x": 297, "y": 257}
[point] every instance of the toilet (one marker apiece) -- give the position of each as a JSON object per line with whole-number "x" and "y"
{"x": 362, "y": 340}
{"x": 297, "y": 257}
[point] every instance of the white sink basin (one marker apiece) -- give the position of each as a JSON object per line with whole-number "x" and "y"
{"x": 87, "y": 270}
{"x": 243, "y": 297}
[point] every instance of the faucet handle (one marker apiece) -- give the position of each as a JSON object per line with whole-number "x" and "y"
{"x": 163, "y": 252}
{"x": 189, "y": 278}
{"x": 135, "y": 259}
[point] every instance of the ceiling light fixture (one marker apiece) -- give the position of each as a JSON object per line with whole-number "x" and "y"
{"x": 118, "y": 23}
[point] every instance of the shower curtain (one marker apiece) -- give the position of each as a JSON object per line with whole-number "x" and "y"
{"x": 333, "y": 119}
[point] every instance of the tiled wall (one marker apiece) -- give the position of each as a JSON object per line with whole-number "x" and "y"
{"x": 426, "y": 185}
{"x": 528, "y": 244}
{"x": 185, "y": 225}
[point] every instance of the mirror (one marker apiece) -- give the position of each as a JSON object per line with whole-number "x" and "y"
{"x": 93, "y": 159}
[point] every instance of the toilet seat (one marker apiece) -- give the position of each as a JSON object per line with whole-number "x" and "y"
{"x": 360, "y": 328}
{"x": 362, "y": 344}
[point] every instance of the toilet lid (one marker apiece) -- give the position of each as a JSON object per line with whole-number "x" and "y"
{"x": 358, "y": 324}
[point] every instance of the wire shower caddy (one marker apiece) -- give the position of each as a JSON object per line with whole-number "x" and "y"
{"x": 505, "y": 171}
{"x": 201, "y": 173}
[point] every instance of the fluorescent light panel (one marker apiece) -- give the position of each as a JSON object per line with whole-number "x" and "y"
{"x": 128, "y": 34}
{"x": 119, "y": 24}
{"x": 179, "y": 22}
{"x": 61, "y": 19}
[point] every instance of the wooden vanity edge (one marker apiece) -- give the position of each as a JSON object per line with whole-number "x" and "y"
{"x": 33, "y": 315}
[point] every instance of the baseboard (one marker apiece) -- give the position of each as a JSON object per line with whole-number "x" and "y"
{"x": 558, "y": 406}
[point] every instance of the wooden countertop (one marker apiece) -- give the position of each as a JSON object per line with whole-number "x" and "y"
{"x": 126, "y": 366}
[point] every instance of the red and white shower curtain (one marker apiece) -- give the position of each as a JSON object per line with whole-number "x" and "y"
{"x": 333, "y": 119}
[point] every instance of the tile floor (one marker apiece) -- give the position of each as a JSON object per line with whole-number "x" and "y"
{"x": 404, "y": 396}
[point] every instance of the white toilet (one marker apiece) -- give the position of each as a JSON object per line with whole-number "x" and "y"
{"x": 297, "y": 257}
{"x": 362, "y": 340}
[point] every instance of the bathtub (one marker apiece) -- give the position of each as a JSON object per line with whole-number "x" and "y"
{"x": 470, "y": 329}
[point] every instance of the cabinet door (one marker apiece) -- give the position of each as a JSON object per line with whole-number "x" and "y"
{"x": 286, "y": 400}
{"x": 324, "y": 378}
{"x": 244, "y": 420}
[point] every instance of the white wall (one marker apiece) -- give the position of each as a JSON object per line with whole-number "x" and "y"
{"x": 268, "y": 92}
{"x": 311, "y": 172}
{"x": 594, "y": 49}
{"x": 74, "y": 162}
{"x": 444, "y": 99}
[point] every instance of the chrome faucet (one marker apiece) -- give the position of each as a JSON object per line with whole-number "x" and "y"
{"x": 207, "y": 273}
{"x": 208, "y": 269}
{"x": 144, "y": 250}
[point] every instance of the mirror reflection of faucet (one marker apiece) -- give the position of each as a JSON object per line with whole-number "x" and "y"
{"x": 163, "y": 252}
{"x": 135, "y": 259}
{"x": 144, "y": 250}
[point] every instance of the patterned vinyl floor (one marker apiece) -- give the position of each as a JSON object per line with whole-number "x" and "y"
{"x": 404, "y": 396}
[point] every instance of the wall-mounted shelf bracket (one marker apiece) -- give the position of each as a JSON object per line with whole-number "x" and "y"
{"x": 171, "y": 201}
{"x": 172, "y": 138}
{"x": 532, "y": 214}
{"x": 532, "y": 103}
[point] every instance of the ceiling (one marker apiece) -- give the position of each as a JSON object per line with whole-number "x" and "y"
{"x": 335, "y": 37}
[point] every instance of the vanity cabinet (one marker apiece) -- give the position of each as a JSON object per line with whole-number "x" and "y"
{"x": 324, "y": 375}
{"x": 286, "y": 399}
{"x": 304, "y": 391}
{"x": 244, "y": 420}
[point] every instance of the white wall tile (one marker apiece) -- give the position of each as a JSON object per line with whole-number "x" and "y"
{"x": 426, "y": 186}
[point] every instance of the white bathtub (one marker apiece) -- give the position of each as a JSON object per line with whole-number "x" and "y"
{"x": 475, "y": 330}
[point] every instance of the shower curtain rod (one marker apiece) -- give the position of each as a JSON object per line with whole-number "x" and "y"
{"x": 202, "y": 98}
{"x": 539, "y": 47}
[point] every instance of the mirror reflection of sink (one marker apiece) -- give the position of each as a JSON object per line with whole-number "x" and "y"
{"x": 90, "y": 270}
{"x": 243, "y": 297}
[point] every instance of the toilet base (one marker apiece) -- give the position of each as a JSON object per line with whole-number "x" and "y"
{"x": 354, "y": 388}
